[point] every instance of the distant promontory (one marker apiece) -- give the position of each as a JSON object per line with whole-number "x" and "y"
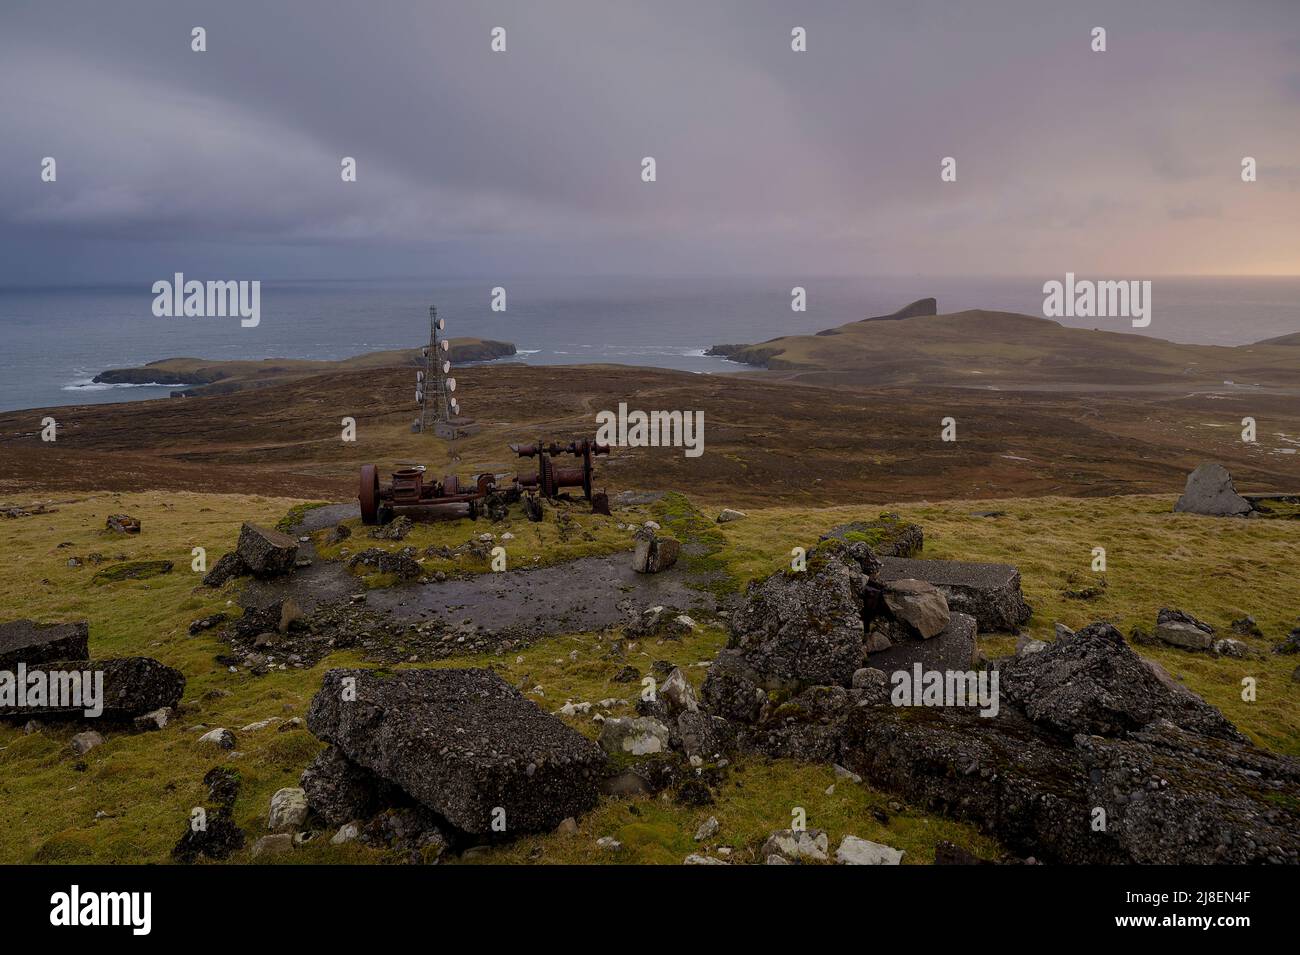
{"x": 205, "y": 377}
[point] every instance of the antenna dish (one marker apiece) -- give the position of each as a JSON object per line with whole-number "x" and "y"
{"x": 451, "y": 384}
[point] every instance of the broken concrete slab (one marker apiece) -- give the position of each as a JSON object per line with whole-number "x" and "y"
{"x": 887, "y": 536}
{"x": 988, "y": 592}
{"x": 25, "y": 641}
{"x": 463, "y": 743}
{"x": 132, "y": 686}
{"x": 266, "y": 553}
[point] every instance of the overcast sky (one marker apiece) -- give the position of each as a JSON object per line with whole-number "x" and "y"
{"x": 225, "y": 164}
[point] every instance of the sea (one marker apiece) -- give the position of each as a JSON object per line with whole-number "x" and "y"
{"x": 53, "y": 341}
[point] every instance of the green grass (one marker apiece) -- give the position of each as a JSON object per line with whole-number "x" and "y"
{"x": 146, "y": 784}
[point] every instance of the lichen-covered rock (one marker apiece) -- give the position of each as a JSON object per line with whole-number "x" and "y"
{"x": 288, "y": 810}
{"x": 855, "y": 851}
{"x": 1094, "y": 683}
{"x": 708, "y": 737}
{"x": 461, "y": 742}
{"x": 211, "y": 831}
{"x": 265, "y": 552}
{"x": 25, "y": 641}
{"x": 678, "y": 694}
{"x": 637, "y": 736}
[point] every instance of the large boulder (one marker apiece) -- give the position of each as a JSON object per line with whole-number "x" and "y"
{"x": 25, "y": 641}
{"x": 132, "y": 686}
{"x": 988, "y": 592}
{"x": 462, "y": 743}
{"x": 1210, "y": 491}
{"x": 264, "y": 552}
{"x": 1093, "y": 683}
{"x": 796, "y": 629}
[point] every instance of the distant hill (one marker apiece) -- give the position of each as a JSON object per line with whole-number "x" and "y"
{"x": 1292, "y": 339}
{"x": 207, "y": 377}
{"x": 761, "y": 354}
{"x": 915, "y": 346}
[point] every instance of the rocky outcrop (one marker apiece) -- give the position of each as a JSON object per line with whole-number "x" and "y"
{"x": 1210, "y": 491}
{"x": 988, "y": 592}
{"x": 796, "y": 629}
{"x": 1093, "y": 683}
{"x": 1168, "y": 796}
{"x": 463, "y": 743}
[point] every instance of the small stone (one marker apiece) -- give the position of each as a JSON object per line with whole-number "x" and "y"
{"x": 83, "y": 743}
{"x": 797, "y": 845}
{"x": 609, "y": 843}
{"x": 154, "y": 719}
{"x": 568, "y": 827}
{"x": 219, "y": 737}
{"x": 277, "y": 844}
{"x": 347, "y": 833}
{"x": 855, "y": 851}
{"x": 728, "y": 514}
{"x": 708, "y": 829}
{"x": 288, "y": 809}
{"x": 697, "y": 859}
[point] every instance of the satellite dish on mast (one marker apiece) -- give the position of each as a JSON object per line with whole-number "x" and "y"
{"x": 451, "y": 384}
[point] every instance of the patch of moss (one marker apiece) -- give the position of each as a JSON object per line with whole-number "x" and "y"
{"x": 133, "y": 570}
{"x": 295, "y": 515}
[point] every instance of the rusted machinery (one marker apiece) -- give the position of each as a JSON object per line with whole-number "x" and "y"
{"x": 409, "y": 487}
{"x": 550, "y": 480}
